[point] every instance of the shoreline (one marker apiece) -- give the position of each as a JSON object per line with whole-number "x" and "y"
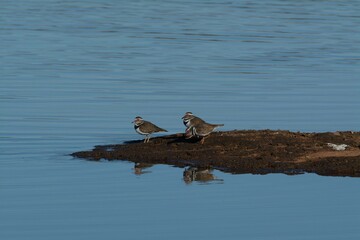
{"x": 245, "y": 151}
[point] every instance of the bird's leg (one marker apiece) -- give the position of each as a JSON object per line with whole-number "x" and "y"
{"x": 203, "y": 140}
{"x": 188, "y": 133}
{"x": 147, "y": 138}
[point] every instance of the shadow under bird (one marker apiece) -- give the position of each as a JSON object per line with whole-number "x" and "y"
{"x": 146, "y": 128}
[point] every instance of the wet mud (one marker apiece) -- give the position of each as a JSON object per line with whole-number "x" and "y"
{"x": 245, "y": 151}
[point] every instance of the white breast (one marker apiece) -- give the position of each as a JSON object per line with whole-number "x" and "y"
{"x": 140, "y": 132}
{"x": 187, "y": 122}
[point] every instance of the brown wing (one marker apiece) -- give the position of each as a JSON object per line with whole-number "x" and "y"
{"x": 206, "y": 128}
{"x": 203, "y": 129}
{"x": 149, "y": 127}
{"x": 197, "y": 120}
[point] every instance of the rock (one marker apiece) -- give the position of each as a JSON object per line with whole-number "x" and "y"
{"x": 338, "y": 147}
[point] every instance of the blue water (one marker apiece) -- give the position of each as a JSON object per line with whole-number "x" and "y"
{"x": 74, "y": 74}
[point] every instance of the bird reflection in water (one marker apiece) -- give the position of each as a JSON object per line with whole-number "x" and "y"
{"x": 139, "y": 168}
{"x": 201, "y": 175}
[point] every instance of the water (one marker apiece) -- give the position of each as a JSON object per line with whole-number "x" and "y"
{"x": 75, "y": 74}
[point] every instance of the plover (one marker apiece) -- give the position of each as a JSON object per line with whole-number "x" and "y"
{"x": 190, "y": 119}
{"x": 202, "y": 130}
{"x": 146, "y": 128}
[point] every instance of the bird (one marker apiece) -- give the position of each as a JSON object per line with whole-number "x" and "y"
{"x": 202, "y": 130}
{"x": 196, "y": 126}
{"x": 190, "y": 119}
{"x": 146, "y": 128}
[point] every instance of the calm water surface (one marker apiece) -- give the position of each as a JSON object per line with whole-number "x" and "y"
{"x": 74, "y": 74}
